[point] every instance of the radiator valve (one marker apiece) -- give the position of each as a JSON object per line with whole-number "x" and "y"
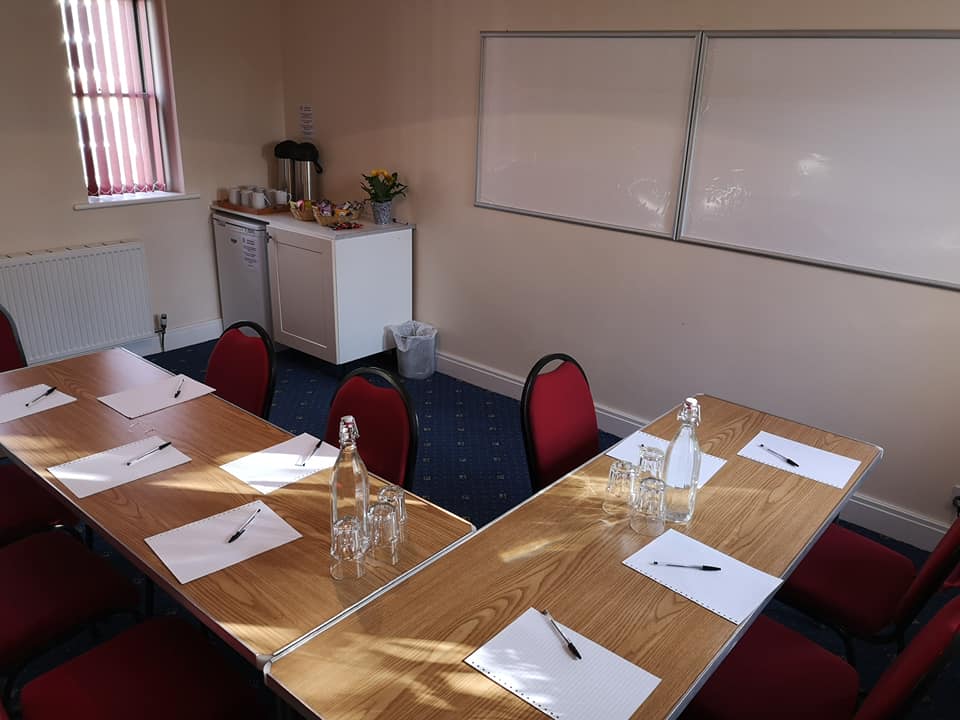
{"x": 162, "y": 330}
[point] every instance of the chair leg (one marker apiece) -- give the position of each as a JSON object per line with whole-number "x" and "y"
{"x": 849, "y": 650}
{"x": 149, "y": 591}
{"x": 8, "y": 687}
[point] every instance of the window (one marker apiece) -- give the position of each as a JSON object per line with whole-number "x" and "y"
{"x": 121, "y": 94}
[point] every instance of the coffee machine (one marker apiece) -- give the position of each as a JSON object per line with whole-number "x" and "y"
{"x": 298, "y": 169}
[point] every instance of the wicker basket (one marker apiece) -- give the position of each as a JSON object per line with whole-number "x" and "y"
{"x": 305, "y": 213}
{"x": 337, "y": 217}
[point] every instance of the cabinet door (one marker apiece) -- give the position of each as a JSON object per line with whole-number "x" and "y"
{"x": 301, "y": 293}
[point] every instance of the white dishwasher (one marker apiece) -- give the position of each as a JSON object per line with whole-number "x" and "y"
{"x": 241, "y": 246}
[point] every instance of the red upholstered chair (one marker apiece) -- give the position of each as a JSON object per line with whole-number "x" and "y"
{"x": 774, "y": 672}
{"x": 388, "y": 424}
{"x": 241, "y": 368}
{"x": 11, "y": 350}
{"x": 25, "y": 506}
{"x": 53, "y": 585}
{"x": 163, "y": 668}
{"x": 865, "y": 590}
{"x": 558, "y": 419}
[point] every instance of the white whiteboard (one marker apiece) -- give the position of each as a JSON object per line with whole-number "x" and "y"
{"x": 586, "y": 128}
{"x": 841, "y": 151}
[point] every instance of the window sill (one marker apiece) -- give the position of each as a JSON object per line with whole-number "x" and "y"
{"x": 96, "y": 203}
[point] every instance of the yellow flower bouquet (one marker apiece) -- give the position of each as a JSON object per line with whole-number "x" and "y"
{"x": 383, "y": 186}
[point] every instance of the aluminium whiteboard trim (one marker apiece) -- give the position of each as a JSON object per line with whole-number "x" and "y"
{"x": 691, "y": 133}
{"x": 682, "y": 236}
{"x": 695, "y": 35}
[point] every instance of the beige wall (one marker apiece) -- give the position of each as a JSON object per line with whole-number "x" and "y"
{"x": 230, "y": 107}
{"x": 652, "y": 320}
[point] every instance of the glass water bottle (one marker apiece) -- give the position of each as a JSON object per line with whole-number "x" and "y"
{"x": 681, "y": 465}
{"x": 349, "y": 486}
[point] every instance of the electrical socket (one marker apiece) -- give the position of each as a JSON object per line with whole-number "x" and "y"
{"x": 956, "y": 492}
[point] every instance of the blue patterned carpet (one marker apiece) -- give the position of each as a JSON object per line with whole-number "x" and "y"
{"x": 471, "y": 461}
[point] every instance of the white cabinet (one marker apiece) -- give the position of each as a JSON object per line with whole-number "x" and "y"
{"x": 332, "y": 293}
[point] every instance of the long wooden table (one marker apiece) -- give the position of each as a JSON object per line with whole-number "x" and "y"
{"x": 259, "y": 605}
{"x": 401, "y": 656}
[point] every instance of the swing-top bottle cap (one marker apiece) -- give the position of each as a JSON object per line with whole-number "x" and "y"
{"x": 348, "y": 429}
{"x": 689, "y": 411}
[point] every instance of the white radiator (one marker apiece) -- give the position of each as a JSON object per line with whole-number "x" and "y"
{"x": 73, "y": 300}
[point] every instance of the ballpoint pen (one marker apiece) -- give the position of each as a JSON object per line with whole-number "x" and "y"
{"x": 304, "y": 458}
{"x": 148, "y": 453}
{"x": 179, "y": 387}
{"x": 570, "y": 646}
{"x": 788, "y": 461}
{"x": 41, "y": 396}
{"x": 246, "y": 524}
{"x": 692, "y": 567}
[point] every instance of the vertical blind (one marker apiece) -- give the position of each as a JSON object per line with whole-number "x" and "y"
{"x": 111, "y": 67}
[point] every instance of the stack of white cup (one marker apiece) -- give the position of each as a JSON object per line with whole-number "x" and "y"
{"x": 256, "y": 197}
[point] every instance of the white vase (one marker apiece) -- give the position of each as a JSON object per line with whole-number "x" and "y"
{"x": 382, "y": 212}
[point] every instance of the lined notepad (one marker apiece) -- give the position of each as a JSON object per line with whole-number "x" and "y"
{"x": 201, "y": 548}
{"x": 734, "y": 592}
{"x": 104, "y": 470}
{"x": 529, "y": 659}
{"x": 629, "y": 449}
{"x": 275, "y": 467}
{"x": 13, "y": 405}
{"x": 814, "y": 464}
{"x": 145, "y": 399}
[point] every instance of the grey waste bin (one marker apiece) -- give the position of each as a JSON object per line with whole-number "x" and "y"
{"x": 416, "y": 349}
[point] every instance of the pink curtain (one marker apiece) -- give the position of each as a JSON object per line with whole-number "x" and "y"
{"x": 111, "y": 70}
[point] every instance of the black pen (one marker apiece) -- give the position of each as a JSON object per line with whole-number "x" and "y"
{"x": 148, "y": 453}
{"x": 179, "y": 387}
{"x": 41, "y": 396}
{"x": 246, "y": 524}
{"x": 710, "y": 568}
{"x": 304, "y": 458}
{"x": 570, "y": 646}
{"x": 788, "y": 461}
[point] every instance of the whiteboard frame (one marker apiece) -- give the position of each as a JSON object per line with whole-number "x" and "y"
{"x": 694, "y": 35}
{"x": 706, "y": 35}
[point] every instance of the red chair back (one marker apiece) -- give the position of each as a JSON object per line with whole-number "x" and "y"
{"x": 241, "y": 368}
{"x": 559, "y": 420}
{"x": 11, "y": 351}
{"x": 386, "y": 420}
{"x": 925, "y": 654}
{"x": 935, "y": 571}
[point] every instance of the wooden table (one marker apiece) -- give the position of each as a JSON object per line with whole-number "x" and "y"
{"x": 259, "y": 605}
{"x": 401, "y": 656}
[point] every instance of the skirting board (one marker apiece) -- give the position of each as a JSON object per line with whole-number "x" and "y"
{"x": 890, "y": 520}
{"x": 894, "y": 521}
{"x": 179, "y": 337}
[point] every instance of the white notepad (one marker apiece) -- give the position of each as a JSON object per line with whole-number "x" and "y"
{"x": 734, "y": 592}
{"x": 13, "y": 405}
{"x": 275, "y": 467}
{"x": 108, "y": 469}
{"x": 145, "y": 399}
{"x": 201, "y": 548}
{"x": 629, "y": 449}
{"x": 529, "y": 659}
{"x": 814, "y": 464}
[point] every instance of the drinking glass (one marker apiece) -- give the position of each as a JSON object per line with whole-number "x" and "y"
{"x": 393, "y": 494}
{"x": 616, "y": 499}
{"x": 648, "y": 501}
{"x": 346, "y": 549}
{"x": 384, "y": 532}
